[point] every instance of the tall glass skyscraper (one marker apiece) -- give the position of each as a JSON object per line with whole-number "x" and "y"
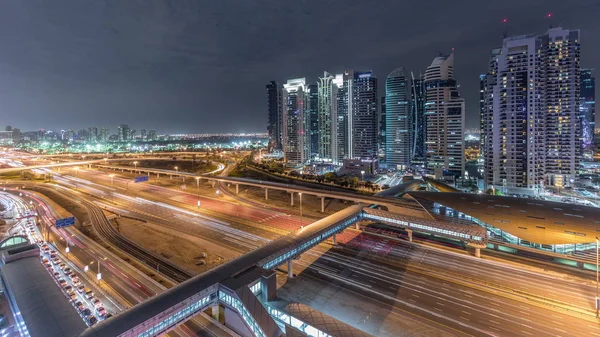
{"x": 445, "y": 113}
{"x": 274, "y": 106}
{"x": 418, "y": 120}
{"x": 398, "y": 119}
{"x": 312, "y": 113}
{"x": 362, "y": 116}
{"x": 587, "y": 113}
{"x": 295, "y": 147}
{"x": 327, "y": 116}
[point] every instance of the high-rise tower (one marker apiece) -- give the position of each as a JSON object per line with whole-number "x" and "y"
{"x": 362, "y": 114}
{"x": 587, "y": 113}
{"x": 445, "y": 111}
{"x": 398, "y": 119}
{"x": 531, "y": 106}
{"x": 275, "y": 122}
{"x": 295, "y": 147}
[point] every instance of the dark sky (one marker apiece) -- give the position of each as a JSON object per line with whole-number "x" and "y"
{"x": 201, "y": 66}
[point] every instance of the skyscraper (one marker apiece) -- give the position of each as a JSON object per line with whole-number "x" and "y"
{"x": 275, "y": 122}
{"x": 92, "y": 134}
{"x": 445, "y": 111}
{"x": 587, "y": 113}
{"x": 104, "y": 134}
{"x": 294, "y": 122}
{"x": 418, "y": 120}
{"x": 398, "y": 119}
{"x": 381, "y": 137}
{"x": 143, "y": 135}
{"x": 312, "y": 113}
{"x": 341, "y": 145}
{"x": 327, "y": 115}
{"x": 531, "y": 112}
{"x": 362, "y": 115}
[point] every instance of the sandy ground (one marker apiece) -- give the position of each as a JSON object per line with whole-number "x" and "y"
{"x": 183, "y": 249}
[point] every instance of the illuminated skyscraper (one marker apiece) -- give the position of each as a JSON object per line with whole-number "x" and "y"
{"x": 295, "y": 147}
{"x": 445, "y": 113}
{"x": 362, "y": 114}
{"x": 587, "y": 113}
{"x": 275, "y": 122}
{"x": 531, "y": 124}
{"x": 398, "y": 119}
{"x": 418, "y": 120}
{"x": 312, "y": 113}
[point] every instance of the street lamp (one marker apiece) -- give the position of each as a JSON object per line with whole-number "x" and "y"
{"x": 135, "y": 165}
{"x": 198, "y": 185}
{"x": 176, "y": 169}
{"x": 362, "y": 173}
{"x": 300, "y": 195}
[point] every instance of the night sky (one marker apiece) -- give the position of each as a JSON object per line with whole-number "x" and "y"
{"x": 201, "y": 66}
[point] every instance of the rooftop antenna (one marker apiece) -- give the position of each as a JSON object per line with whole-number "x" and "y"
{"x": 549, "y": 16}
{"x": 504, "y": 24}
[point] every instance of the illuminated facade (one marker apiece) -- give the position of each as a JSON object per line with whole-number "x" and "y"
{"x": 362, "y": 115}
{"x": 398, "y": 119}
{"x": 295, "y": 145}
{"x": 531, "y": 129}
{"x": 587, "y": 113}
{"x": 444, "y": 113}
{"x": 274, "y": 106}
{"x": 327, "y": 111}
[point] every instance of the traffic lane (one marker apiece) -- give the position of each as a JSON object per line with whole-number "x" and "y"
{"x": 461, "y": 307}
{"x": 558, "y": 288}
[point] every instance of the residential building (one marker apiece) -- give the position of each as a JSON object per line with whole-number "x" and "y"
{"x": 295, "y": 149}
{"x": 362, "y": 114}
{"x": 381, "y": 136}
{"x": 418, "y": 120}
{"x": 312, "y": 113}
{"x": 587, "y": 113}
{"x": 124, "y": 133}
{"x": 398, "y": 119}
{"x": 531, "y": 126}
{"x": 327, "y": 115}
{"x": 445, "y": 111}
{"x": 275, "y": 122}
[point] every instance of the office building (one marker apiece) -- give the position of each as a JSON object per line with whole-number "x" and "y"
{"x": 92, "y": 134}
{"x": 341, "y": 146}
{"x": 381, "y": 136}
{"x": 152, "y": 135}
{"x": 312, "y": 114}
{"x": 445, "y": 111}
{"x": 418, "y": 120}
{"x": 143, "y": 135}
{"x": 587, "y": 113}
{"x": 295, "y": 149}
{"x": 362, "y": 114}
{"x": 328, "y": 87}
{"x": 275, "y": 122}
{"x": 398, "y": 119}
{"x": 531, "y": 112}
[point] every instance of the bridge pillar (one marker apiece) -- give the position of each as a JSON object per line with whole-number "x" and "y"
{"x": 237, "y": 188}
{"x": 409, "y": 231}
{"x": 170, "y": 177}
{"x": 290, "y": 270}
{"x": 357, "y": 226}
{"x": 292, "y": 198}
{"x": 322, "y": 204}
{"x": 334, "y": 238}
{"x": 213, "y": 183}
{"x": 266, "y": 194}
{"x": 217, "y": 313}
{"x": 477, "y": 252}
{"x": 158, "y": 176}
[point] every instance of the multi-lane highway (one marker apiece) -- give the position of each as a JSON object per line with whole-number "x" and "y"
{"x": 415, "y": 287}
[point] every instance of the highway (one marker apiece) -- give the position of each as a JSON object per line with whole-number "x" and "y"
{"x": 413, "y": 272}
{"x": 405, "y": 285}
{"x": 122, "y": 286}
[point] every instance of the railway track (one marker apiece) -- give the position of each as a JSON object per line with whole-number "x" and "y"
{"x": 110, "y": 235}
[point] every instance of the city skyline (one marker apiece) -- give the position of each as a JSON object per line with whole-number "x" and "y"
{"x": 99, "y": 72}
